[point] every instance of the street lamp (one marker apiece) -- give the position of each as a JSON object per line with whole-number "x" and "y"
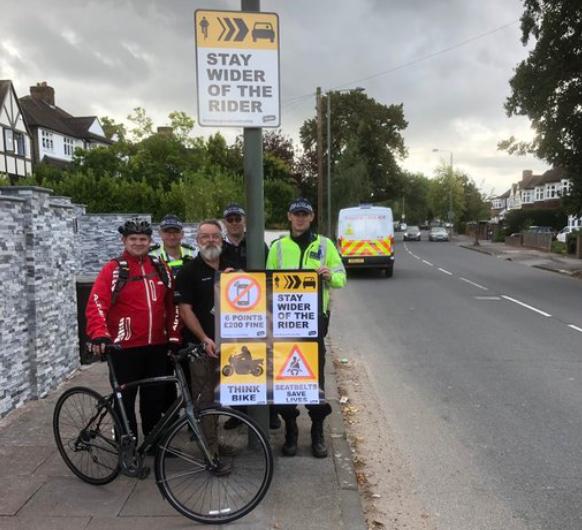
{"x": 328, "y": 94}
{"x": 451, "y": 212}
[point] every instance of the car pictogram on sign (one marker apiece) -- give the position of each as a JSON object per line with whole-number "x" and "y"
{"x": 263, "y": 30}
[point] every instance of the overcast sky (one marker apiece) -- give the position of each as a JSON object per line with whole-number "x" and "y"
{"x": 106, "y": 57}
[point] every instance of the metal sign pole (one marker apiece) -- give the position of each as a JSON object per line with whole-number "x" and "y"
{"x": 254, "y": 187}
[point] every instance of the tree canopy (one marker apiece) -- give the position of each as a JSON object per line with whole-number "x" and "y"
{"x": 366, "y": 145}
{"x": 547, "y": 87}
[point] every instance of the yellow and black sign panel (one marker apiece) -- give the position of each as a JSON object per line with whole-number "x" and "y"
{"x": 237, "y": 30}
{"x": 302, "y": 282}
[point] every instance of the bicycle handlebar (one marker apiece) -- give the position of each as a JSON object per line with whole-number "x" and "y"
{"x": 194, "y": 351}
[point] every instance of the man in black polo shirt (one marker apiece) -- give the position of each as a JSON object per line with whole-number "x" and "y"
{"x": 234, "y": 252}
{"x": 195, "y": 298}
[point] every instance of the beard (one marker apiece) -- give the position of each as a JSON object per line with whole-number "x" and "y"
{"x": 210, "y": 252}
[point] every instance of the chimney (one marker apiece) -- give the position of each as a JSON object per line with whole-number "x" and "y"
{"x": 165, "y": 131}
{"x": 526, "y": 174}
{"x": 43, "y": 92}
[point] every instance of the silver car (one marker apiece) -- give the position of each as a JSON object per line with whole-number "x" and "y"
{"x": 438, "y": 233}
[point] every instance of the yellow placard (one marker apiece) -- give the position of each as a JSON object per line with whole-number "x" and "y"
{"x": 237, "y": 30}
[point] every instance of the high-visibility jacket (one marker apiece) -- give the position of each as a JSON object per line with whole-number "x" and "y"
{"x": 321, "y": 252}
{"x": 186, "y": 252}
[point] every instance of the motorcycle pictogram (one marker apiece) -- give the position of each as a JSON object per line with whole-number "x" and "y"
{"x": 243, "y": 364}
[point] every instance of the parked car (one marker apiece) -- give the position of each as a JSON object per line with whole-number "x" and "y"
{"x": 542, "y": 230}
{"x": 563, "y": 234}
{"x": 412, "y": 233}
{"x": 438, "y": 233}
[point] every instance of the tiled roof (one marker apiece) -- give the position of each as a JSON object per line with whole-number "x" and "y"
{"x": 505, "y": 195}
{"x": 38, "y": 113}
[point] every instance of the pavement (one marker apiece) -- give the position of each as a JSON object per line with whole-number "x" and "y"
{"x": 37, "y": 490}
{"x": 539, "y": 259}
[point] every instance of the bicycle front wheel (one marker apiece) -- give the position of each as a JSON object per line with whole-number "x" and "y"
{"x": 225, "y": 489}
{"x": 86, "y": 430}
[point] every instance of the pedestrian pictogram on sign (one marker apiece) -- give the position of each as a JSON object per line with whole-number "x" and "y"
{"x": 296, "y": 368}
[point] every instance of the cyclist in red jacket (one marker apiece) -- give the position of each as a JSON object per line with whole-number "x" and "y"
{"x": 132, "y": 305}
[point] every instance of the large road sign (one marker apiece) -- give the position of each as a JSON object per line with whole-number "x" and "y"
{"x": 237, "y": 65}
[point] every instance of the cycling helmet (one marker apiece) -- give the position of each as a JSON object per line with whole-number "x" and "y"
{"x": 135, "y": 226}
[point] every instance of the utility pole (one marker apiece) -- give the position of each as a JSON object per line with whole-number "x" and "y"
{"x": 319, "y": 161}
{"x": 255, "y": 193}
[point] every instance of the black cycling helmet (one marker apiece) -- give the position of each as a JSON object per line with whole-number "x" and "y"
{"x": 135, "y": 226}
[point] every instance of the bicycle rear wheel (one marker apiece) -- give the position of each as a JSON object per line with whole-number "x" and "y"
{"x": 86, "y": 429}
{"x": 228, "y": 488}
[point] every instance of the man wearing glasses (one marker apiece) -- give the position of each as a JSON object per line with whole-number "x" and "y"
{"x": 234, "y": 251}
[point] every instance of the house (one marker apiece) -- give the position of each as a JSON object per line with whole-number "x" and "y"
{"x": 15, "y": 141}
{"x": 55, "y": 133}
{"x": 532, "y": 191}
{"x": 499, "y": 206}
{"x": 544, "y": 191}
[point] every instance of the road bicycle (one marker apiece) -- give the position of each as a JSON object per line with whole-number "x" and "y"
{"x": 208, "y": 473}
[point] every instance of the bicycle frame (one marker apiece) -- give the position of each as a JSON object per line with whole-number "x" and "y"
{"x": 184, "y": 399}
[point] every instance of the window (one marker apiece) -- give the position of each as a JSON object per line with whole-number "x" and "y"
{"x": 69, "y": 146}
{"x": 539, "y": 193}
{"x": 527, "y": 196}
{"x": 551, "y": 191}
{"x": 8, "y": 140}
{"x": 19, "y": 144}
{"x": 47, "y": 140}
{"x": 565, "y": 187}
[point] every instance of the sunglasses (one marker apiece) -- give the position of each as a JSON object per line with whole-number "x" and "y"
{"x": 234, "y": 219}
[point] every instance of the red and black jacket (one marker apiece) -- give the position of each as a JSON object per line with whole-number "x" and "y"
{"x": 143, "y": 312}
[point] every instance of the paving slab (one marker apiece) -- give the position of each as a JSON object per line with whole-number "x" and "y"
{"x": 66, "y": 497}
{"x": 44, "y": 523}
{"x": 23, "y": 460}
{"x": 15, "y": 492}
{"x": 144, "y": 523}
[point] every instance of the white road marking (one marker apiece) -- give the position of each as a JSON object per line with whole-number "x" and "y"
{"x": 575, "y": 327}
{"x": 427, "y": 262}
{"x": 473, "y": 283}
{"x": 487, "y": 297}
{"x": 445, "y": 271}
{"x": 539, "y": 311}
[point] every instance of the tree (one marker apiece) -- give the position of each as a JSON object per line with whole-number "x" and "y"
{"x": 112, "y": 129}
{"x": 368, "y": 135}
{"x": 547, "y": 88}
{"x": 143, "y": 126}
{"x": 182, "y": 125}
{"x": 446, "y": 193}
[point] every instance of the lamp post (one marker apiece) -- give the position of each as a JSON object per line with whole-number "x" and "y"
{"x": 451, "y": 214}
{"x": 328, "y": 95}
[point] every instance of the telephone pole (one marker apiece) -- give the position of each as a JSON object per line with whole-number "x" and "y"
{"x": 319, "y": 162}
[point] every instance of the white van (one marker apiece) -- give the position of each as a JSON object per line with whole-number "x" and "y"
{"x": 365, "y": 237}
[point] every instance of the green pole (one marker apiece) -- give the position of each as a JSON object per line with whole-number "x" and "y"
{"x": 254, "y": 188}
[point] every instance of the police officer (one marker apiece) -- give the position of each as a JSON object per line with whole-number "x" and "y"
{"x": 172, "y": 250}
{"x": 304, "y": 249}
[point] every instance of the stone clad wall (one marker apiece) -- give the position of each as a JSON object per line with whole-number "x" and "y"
{"x": 38, "y": 308}
{"x": 47, "y": 247}
{"x": 15, "y": 364}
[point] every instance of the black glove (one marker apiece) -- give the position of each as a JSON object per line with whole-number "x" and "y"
{"x": 98, "y": 345}
{"x": 174, "y": 347}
